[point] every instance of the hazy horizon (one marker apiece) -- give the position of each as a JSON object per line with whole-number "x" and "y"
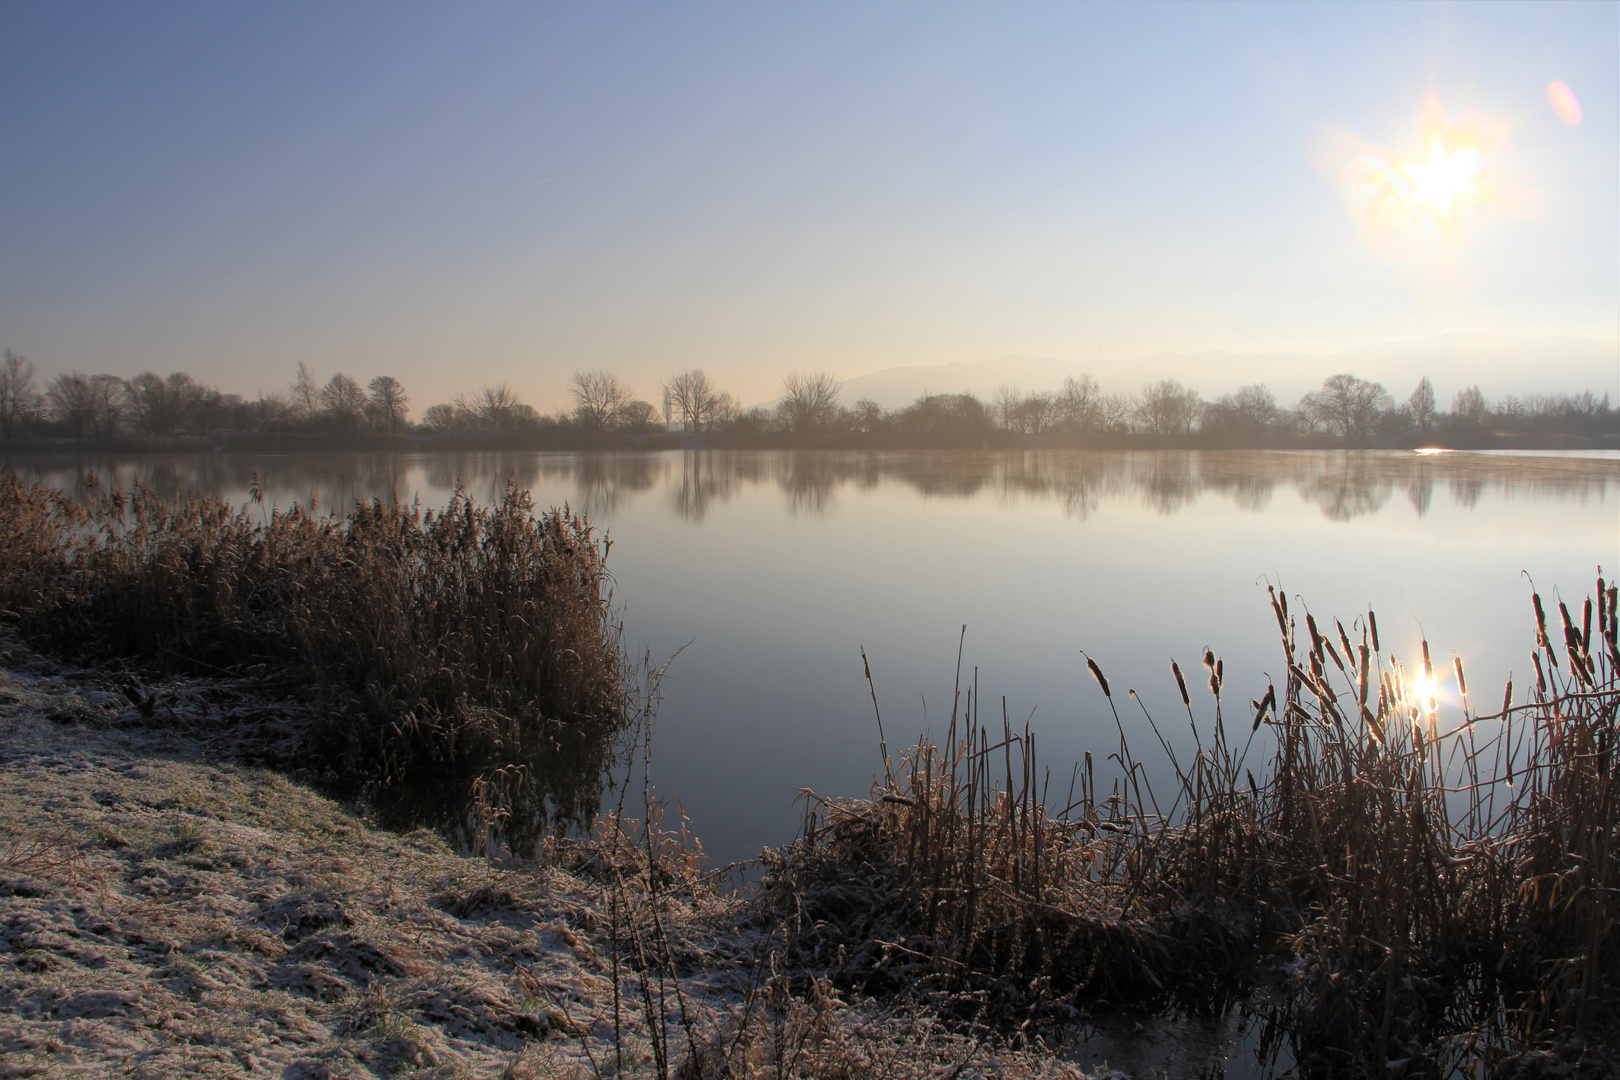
{"x": 459, "y": 197}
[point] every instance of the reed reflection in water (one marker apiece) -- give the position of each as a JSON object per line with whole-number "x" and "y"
{"x": 775, "y": 568}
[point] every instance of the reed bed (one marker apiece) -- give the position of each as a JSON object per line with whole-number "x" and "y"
{"x": 1434, "y": 896}
{"x": 439, "y": 642}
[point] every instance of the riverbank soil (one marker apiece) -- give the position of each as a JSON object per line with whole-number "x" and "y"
{"x": 167, "y": 910}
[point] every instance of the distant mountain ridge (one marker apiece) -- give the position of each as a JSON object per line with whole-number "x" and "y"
{"x": 1498, "y": 364}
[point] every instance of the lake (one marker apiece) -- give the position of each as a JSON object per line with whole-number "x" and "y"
{"x": 770, "y": 571}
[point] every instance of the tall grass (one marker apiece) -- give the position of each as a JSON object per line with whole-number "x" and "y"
{"x": 1438, "y": 895}
{"x": 440, "y": 641}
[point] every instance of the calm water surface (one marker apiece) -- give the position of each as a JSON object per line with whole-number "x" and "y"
{"x": 772, "y": 570}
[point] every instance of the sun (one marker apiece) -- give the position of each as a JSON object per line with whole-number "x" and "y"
{"x": 1444, "y": 178}
{"x": 1406, "y": 199}
{"x": 1424, "y": 691}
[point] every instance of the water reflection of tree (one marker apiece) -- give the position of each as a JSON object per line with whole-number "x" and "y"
{"x": 1421, "y": 492}
{"x": 1348, "y": 488}
{"x": 1466, "y": 490}
{"x": 1166, "y": 480}
{"x": 707, "y": 477}
{"x": 1344, "y": 484}
{"x": 605, "y": 482}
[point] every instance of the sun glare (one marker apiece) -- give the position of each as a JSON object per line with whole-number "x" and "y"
{"x": 1425, "y": 690}
{"x": 1408, "y": 199}
{"x": 1444, "y": 178}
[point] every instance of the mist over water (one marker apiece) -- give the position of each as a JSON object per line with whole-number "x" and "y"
{"x": 774, "y": 569}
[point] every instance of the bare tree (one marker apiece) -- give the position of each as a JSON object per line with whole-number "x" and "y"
{"x": 1421, "y": 405}
{"x": 686, "y": 398}
{"x": 443, "y": 418}
{"x": 695, "y": 401}
{"x": 1252, "y": 410}
{"x": 343, "y": 401}
{"x": 494, "y": 408}
{"x": 809, "y": 401}
{"x": 1347, "y": 406}
{"x": 161, "y": 406}
{"x": 110, "y": 397}
{"x": 637, "y": 416}
{"x": 1166, "y": 408}
{"x": 306, "y": 395}
{"x": 598, "y": 397}
{"x": 270, "y": 410}
{"x": 1112, "y": 410}
{"x": 1077, "y": 403}
{"x": 388, "y": 403}
{"x": 71, "y": 403}
{"x": 1006, "y": 405}
{"x": 1469, "y": 408}
{"x": 1037, "y": 412}
{"x": 867, "y": 416}
{"x": 19, "y": 401}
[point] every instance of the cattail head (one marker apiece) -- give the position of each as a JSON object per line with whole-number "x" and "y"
{"x": 1181, "y": 683}
{"x": 1462, "y": 683}
{"x": 1372, "y": 624}
{"x": 1102, "y": 680}
{"x": 1263, "y": 706}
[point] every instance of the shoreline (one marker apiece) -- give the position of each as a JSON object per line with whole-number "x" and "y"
{"x": 564, "y": 441}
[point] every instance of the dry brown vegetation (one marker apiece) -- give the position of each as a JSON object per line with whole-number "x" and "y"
{"x": 1434, "y": 898}
{"x": 438, "y": 641}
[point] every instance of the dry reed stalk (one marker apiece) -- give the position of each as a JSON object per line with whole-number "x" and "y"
{"x": 1443, "y": 896}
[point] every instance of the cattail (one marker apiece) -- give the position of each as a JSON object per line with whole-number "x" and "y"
{"x": 1462, "y": 684}
{"x": 1372, "y": 623}
{"x": 1586, "y": 627}
{"x": 1507, "y": 697}
{"x": 1097, "y": 674}
{"x": 1541, "y": 679}
{"x": 1263, "y": 706}
{"x": 1428, "y": 668}
{"x": 1181, "y": 683}
{"x": 1363, "y": 675}
{"x": 1344, "y": 639}
{"x": 1541, "y": 621}
{"x": 1316, "y": 635}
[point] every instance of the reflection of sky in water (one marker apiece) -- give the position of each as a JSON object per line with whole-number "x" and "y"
{"x": 778, "y": 567}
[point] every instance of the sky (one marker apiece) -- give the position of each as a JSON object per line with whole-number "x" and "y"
{"x": 460, "y": 195}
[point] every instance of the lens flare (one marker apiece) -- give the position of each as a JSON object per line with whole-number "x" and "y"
{"x": 1564, "y": 103}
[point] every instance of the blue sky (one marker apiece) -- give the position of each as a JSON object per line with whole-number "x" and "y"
{"x": 464, "y": 194}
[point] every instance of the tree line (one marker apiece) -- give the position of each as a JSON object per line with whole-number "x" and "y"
{"x": 1346, "y": 409}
